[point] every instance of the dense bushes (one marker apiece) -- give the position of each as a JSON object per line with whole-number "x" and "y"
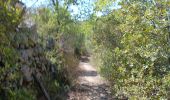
{"x": 9, "y": 20}
{"x": 8, "y": 56}
{"x": 131, "y": 44}
{"x": 39, "y": 44}
{"x": 59, "y": 35}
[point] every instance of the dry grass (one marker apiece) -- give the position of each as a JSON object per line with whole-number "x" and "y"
{"x": 71, "y": 63}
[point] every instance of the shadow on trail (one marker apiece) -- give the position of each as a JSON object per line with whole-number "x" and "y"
{"x": 92, "y": 92}
{"x": 87, "y": 73}
{"x": 84, "y": 59}
{"x": 90, "y": 85}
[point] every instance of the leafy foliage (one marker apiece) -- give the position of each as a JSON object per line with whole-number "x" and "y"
{"x": 10, "y": 18}
{"x": 129, "y": 44}
{"x": 133, "y": 49}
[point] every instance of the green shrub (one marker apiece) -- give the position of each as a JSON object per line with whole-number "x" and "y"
{"x": 132, "y": 52}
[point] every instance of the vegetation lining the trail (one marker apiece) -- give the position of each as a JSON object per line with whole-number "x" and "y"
{"x": 132, "y": 48}
{"x": 34, "y": 51}
{"x": 40, "y": 47}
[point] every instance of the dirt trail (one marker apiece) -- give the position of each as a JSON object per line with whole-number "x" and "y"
{"x": 90, "y": 85}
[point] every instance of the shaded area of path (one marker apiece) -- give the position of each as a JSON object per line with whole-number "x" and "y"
{"x": 90, "y": 85}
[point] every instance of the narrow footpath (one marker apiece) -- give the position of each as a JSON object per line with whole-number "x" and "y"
{"x": 90, "y": 85}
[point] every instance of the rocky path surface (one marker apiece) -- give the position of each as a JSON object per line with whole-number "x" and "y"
{"x": 90, "y": 85}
